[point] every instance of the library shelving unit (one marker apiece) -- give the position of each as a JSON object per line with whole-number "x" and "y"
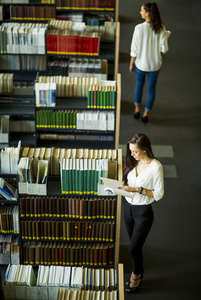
{"x": 55, "y": 223}
{"x": 19, "y": 106}
{"x": 7, "y": 228}
{"x": 82, "y": 138}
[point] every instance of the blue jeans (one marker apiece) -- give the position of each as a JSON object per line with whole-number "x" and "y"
{"x": 140, "y": 80}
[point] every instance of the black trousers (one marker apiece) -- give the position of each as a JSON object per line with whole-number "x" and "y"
{"x": 138, "y": 220}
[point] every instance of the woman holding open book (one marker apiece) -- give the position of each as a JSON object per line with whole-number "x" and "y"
{"x": 143, "y": 177}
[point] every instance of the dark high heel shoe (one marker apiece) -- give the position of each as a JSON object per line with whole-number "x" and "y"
{"x": 136, "y": 115}
{"x": 134, "y": 289}
{"x": 145, "y": 119}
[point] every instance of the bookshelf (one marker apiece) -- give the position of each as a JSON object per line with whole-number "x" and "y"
{"x": 74, "y": 135}
{"x": 72, "y": 230}
{"x": 9, "y": 226}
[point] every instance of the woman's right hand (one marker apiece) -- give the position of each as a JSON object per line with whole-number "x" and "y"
{"x": 132, "y": 68}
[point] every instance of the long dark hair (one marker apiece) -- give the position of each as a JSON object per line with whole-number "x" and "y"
{"x": 154, "y": 15}
{"x": 143, "y": 143}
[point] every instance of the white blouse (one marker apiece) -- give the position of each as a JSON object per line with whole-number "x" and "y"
{"x": 147, "y": 46}
{"x": 152, "y": 179}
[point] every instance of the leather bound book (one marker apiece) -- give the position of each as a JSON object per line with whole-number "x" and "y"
{"x": 91, "y": 251}
{"x": 76, "y": 231}
{"x": 94, "y": 203}
{"x": 57, "y": 230}
{"x": 42, "y": 254}
{"x": 38, "y": 230}
{"x": 30, "y": 236}
{"x": 58, "y": 207}
{"x": 38, "y": 254}
{"x": 72, "y": 231}
{"x": 101, "y": 208}
{"x": 39, "y": 206}
{"x": 82, "y": 231}
{"x": 84, "y": 254}
{"x": 45, "y": 254}
{"x": 64, "y": 255}
{"x": 62, "y": 207}
{"x": 22, "y": 206}
{"x": 56, "y": 254}
{"x": 70, "y": 207}
{"x": 31, "y": 209}
{"x": 73, "y": 207}
{"x": 42, "y": 206}
{"x": 61, "y": 253}
{"x": 81, "y": 208}
{"x": 50, "y": 212}
{"x": 110, "y": 253}
{"x": 80, "y": 256}
{"x": 110, "y": 5}
{"x": 33, "y": 229}
{"x": 113, "y": 204}
{"x": 112, "y": 231}
{"x": 31, "y": 254}
{"x": 46, "y": 206}
{"x": 76, "y": 254}
{"x": 86, "y": 208}
{"x": 72, "y": 254}
{"x": 100, "y": 255}
{"x": 27, "y": 206}
{"x": 97, "y": 225}
{"x": 49, "y": 236}
{"x": 54, "y": 207}
{"x": 68, "y": 226}
{"x": 100, "y": 235}
{"x": 105, "y": 209}
{"x": 79, "y": 228}
{"x": 35, "y": 211}
{"x": 53, "y": 253}
{"x": 104, "y": 248}
{"x": 90, "y": 224}
{"x": 86, "y": 228}
{"x": 61, "y": 230}
{"x": 49, "y": 254}
{"x": 89, "y": 209}
{"x": 64, "y": 230}
{"x": 66, "y": 207}
{"x": 87, "y": 255}
{"x": 25, "y": 253}
{"x": 53, "y": 230}
{"x": 108, "y": 208}
{"x": 104, "y": 232}
{"x": 45, "y": 230}
{"x": 26, "y": 230}
{"x": 98, "y": 208}
{"x": 96, "y": 255}
{"x": 107, "y": 232}
{"x": 93, "y": 231}
{"x": 68, "y": 254}
{"x": 23, "y": 229}
{"x": 42, "y": 230}
{"x": 77, "y": 208}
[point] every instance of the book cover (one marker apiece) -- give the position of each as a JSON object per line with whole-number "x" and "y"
{"x": 113, "y": 185}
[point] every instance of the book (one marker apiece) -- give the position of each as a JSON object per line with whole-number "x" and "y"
{"x": 113, "y": 185}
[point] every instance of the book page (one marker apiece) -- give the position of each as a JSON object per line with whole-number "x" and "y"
{"x": 113, "y": 186}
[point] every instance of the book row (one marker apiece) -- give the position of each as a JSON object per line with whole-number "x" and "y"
{"x": 68, "y": 230}
{"x": 6, "y": 83}
{"x": 67, "y": 86}
{"x": 52, "y": 253}
{"x": 81, "y": 120}
{"x": 86, "y": 295}
{"x": 23, "y": 62}
{"x": 32, "y": 13}
{"x": 86, "y": 4}
{"x": 59, "y": 276}
{"x": 9, "y": 157}
{"x": 27, "y": 1}
{"x": 65, "y": 207}
{"x": 9, "y": 219}
{"x": 81, "y": 176}
{"x": 22, "y": 38}
{"x": 72, "y": 42}
{"x": 9, "y": 245}
{"x": 101, "y": 97}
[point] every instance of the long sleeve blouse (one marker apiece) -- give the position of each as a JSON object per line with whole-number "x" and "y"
{"x": 147, "y": 46}
{"x": 152, "y": 179}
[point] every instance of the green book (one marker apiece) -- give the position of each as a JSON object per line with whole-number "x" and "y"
{"x": 63, "y": 119}
{"x": 67, "y": 119}
{"x": 98, "y": 99}
{"x": 60, "y": 120}
{"x": 74, "y": 184}
{"x": 89, "y": 98}
{"x": 93, "y": 171}
{"x": 88, "y": 189}
{"x": 81, "y": 176}
{"x": 37, "y": 119}
{"x": 74, "y": 119}
{"x": 85, "y": 176}
{"x": 48, "y": 118}
{"x": 101, "y": 98}
{"x": 57, "y": 119}
{"x": 113, "y": 93}
{"x": 104, "y": 97}
{"x": 70, "y": 120}
{"x": 107, "y": 99}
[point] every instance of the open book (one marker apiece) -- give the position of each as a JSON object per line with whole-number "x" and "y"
{"x": 113, "y": 185}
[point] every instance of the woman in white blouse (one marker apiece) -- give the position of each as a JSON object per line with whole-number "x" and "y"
{"x": 143, "y": 177}
{"x": 150, "y": 38}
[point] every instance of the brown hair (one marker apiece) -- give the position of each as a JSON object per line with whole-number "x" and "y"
{"x": 143, "y": 143}
{"x": 154, "y": 15}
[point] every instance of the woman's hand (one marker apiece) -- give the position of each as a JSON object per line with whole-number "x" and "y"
{"x": 132, "y": 68}
{"x": 128, "y": 188}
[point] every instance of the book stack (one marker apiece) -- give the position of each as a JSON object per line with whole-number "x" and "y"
{"x": 65, "y": 253}
{"x": 67, "y": 231}
{"x": 9, "y": 249}
{"x": 86, "y": 4}
{"x": 35, "y": 13}
{"x": 99, "y": 121}
{"x": 9, "y": 219}
{"x": 6, "y": 83}
{"x": 23, "y": 38}
{"x": 45, "y": 94}
{"x": 65, "y": 207}
{"x": 80, "y": 176}
{"x": 101, "y": 96}
{"x": 56, "y": 119}
{"x": 65, "y": 86}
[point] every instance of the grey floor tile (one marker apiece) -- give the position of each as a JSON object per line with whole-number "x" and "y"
{"x": 170, "y": 171}
{"x": 163, "y": 150}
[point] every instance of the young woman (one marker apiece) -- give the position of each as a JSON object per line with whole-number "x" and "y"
{"x": 149, "y": 39}
{"x": 143, "y": 177}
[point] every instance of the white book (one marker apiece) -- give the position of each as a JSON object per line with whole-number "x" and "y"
{"x": 113, "y": 185}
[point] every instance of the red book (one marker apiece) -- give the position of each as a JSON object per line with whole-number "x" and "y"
{"x": 58, "y": 43}
{"x": 79, "y": 45}
{"x": 49, "y": 43}
{"x": 63, "y": 44}
{"x": 70, "y": 44}
{"x": 110, "y": 4}
{"x": 96, "y": 42}
{"x": 91, "y": 47}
